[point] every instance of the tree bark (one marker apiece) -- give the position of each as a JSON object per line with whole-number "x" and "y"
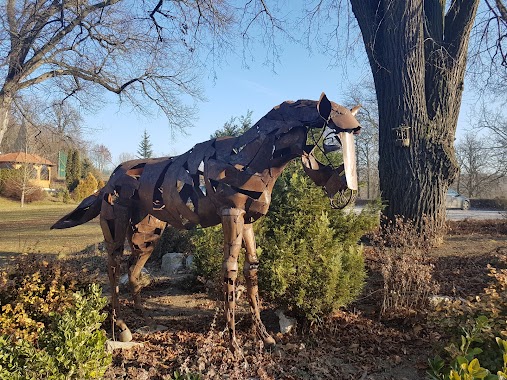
{"x": 5, "y": 108}
{"x": 417, "y": 55}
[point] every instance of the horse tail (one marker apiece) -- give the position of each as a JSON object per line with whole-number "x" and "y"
{"x": 88, "y": 209}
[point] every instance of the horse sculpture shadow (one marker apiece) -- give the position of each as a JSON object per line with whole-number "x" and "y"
{"x": 223, "y": 180}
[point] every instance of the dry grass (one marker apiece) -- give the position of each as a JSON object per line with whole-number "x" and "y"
{"x": 26, "y": 230}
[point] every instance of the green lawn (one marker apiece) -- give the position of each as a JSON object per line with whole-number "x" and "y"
{"x": 26, "y": 230}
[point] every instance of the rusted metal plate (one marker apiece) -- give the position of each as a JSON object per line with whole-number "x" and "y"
{"x": 197, "y": 155}
{"x": 245, "y": 154}
{"x": 263, "y": 156}
{"x": 224, "y": 148}
{"x": 318, "y": 172}
{"x": 215, "y": 169}
{"x": 150, "y": 185}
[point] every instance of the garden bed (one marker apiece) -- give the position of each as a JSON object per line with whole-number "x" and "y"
{"x": 353, "y": 344}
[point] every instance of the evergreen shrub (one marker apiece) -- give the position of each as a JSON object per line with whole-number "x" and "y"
{"x": 311, "y": 262}
{"x": 73, "y": 169}
{"x": 85, "y": 187}
{"x": 208, "y": 249}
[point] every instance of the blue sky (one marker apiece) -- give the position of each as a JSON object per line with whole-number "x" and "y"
{"x": 235, "y": 90}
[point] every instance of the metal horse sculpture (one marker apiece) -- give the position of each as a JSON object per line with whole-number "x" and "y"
{"x": 224, "y": 180}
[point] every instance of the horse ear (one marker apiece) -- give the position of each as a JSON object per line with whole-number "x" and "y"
{"x": 354, "y": 110}
{"x": 324, "y": 107}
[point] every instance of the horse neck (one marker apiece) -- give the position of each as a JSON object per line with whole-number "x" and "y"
{"x": 282, "y": 134}
{"x": 289, "y": 146}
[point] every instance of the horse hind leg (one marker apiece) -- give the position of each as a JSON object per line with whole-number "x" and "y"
{"x": 232, "y": 223}
{"x": 250, "y": 273}
{"x": 142, "y": 238}
{"x": 114, "y": 222}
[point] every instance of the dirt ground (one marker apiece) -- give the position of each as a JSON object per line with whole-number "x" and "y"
{"x": 353, "y": 344}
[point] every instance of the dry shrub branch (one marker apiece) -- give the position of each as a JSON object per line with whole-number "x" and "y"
{"x": 400, "y": 254}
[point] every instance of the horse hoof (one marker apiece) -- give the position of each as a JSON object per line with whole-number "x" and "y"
{"x": 125, "y": 335}
{"x": 269, "y": 341}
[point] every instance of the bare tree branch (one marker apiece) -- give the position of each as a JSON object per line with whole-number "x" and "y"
{"x": 148, "y": 52}
{"x": 488, "y": 55}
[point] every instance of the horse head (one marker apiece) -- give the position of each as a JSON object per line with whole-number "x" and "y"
{"x": 340, "y": 126}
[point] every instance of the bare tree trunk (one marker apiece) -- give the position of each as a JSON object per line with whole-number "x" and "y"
{"x": 368, "y": 174}
{"x": 418, "y": 67}
{"x": 5, "y": 108}
{"x": 26, "y": 171}
{"x": 23, "y": 189}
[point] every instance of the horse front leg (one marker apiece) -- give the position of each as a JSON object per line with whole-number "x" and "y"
{"x": 250, "y": 273}
{"x": 232, "y": 224}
